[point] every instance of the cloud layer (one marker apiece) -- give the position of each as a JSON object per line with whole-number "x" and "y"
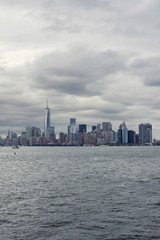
{"x": 93, "y": 60}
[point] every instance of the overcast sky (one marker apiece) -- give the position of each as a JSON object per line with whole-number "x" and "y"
{"x": 96, "y": 60}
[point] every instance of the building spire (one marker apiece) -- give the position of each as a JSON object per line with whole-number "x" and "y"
{"x": 47, "y": 103}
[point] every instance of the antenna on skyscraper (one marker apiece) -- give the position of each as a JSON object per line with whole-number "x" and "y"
{"x": 47, "y": 103}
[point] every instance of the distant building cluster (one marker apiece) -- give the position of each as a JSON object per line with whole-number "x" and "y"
{"x": 77, "y": 135}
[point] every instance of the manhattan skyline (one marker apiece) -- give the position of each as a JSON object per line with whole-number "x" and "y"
{"x": 93, "y": 60}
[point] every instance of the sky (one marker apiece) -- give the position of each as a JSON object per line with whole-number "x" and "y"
{"x": 95, "y": 60}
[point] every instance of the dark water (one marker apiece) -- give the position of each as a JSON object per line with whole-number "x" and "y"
{"x": 80, "y": 193}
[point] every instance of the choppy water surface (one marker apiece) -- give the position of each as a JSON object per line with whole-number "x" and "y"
{"x": 79, "y": 193}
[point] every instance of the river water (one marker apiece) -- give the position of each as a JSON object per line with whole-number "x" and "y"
{"x": 78, "y": 193}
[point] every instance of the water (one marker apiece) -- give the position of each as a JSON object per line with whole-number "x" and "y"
{"x": 80, "y": 193}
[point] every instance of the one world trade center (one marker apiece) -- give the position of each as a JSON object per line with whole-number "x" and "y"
{"x": 46, "y": 120}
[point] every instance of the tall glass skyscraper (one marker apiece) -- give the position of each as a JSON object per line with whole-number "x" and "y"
{"x": 145, "y": 134}
{"x": 71, "y": 128}
{"x": 123, "y": 133}
{"x": 72, "y": 125}
{"x": 46, "y": 120}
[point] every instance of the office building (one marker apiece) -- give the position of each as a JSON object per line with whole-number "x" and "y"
{"x": 72, "y": 125}
{"x": 131, "y": 137}
{"x": 136, "y": 139}
{"x": 93, "y": 128}
{"x": 72, "y": 121}
{"x": 145, "y": 134}
{"x": 82, "y": 128}
{"x": 46, "y": 120}
{"x": 28, "y": 132}
{"x": 71, "y": 129}
{"x": 51, "y": 134}
{"x": 61, "y": 138}
{"x": 23, "y": 140}
{"x": 119, "y": 136}
{"x": 124, "y": 133}
{"x": 106, "y": 126}
{"x": 98, "y": 128}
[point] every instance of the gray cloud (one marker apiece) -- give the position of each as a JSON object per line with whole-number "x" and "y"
{"x": 152, "y": 81}
{"x": 64, "y": 24}
{"x": 77, "y": 71}
{"x": 148, "y": 70}
{"x": 95, "y": 60}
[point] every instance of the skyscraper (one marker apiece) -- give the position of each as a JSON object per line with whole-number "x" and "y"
{"x": 93, "y": 128}
{"x": 106, "y": 126}
{"x": 28, "y": 134}
{"x": 124, "y": 132}
{"x": 145, "y": 133}
{"x": 71, "y": 129}
{"x": 82, "y": 128}
{"x": 46, "y": 120}
{"x": 72, "y": 125}
{"x": 98, "y": 128}
{"x": 72, "y": 121}
{"x": 131, "y": 137}
{"x": 119, "y": 136}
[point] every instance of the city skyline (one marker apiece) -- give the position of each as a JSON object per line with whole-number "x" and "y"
{"x": 71, "y": 126}
{"x": 93, "y": 60}
{"x": 78, "y": 135}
